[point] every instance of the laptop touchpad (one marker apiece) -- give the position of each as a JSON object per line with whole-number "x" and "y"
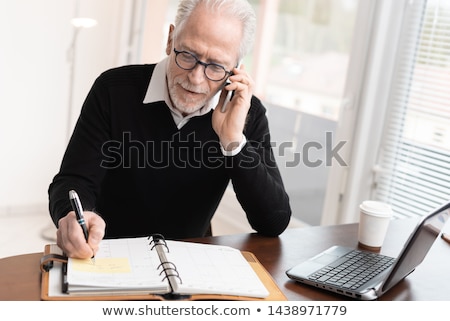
{"x": 325, "y": 258}
{"x": 312, "y": 265}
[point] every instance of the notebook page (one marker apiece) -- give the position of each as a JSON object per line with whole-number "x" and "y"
{"x": 213, "y": 269}
{"x": 120, "y": 264}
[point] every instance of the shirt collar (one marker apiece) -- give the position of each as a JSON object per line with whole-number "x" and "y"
{"x": 157, "y": 91}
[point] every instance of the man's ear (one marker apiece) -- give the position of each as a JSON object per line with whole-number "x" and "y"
{"x": 170, "y": 40}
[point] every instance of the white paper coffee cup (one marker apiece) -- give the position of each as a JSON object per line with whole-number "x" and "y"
{"x": 373, "y": 224}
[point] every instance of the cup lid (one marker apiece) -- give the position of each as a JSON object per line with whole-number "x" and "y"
{"x": 376, "y": 208}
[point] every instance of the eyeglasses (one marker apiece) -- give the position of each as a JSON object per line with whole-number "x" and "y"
{"x": 187, "y": 61}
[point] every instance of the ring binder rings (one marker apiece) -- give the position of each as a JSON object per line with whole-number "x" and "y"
{"x": 155, "y": 239}
{"x": 169, "y": 270}
{"x": 152, "y": 268}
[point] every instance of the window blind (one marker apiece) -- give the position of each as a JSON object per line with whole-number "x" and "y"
{"x": 413, "y": 169}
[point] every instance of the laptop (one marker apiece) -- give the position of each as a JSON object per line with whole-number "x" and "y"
{"x": 367, "y": 275}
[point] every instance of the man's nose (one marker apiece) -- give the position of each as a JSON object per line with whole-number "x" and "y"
{"x": 197, "y": 75}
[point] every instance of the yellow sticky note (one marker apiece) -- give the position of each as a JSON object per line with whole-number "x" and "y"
{"x": 102, "y": 265}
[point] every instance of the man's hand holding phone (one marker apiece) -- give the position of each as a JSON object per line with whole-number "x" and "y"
{"x": 230, "y": 115}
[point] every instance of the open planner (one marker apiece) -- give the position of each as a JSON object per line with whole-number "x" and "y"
{"x": 154, "y": 268}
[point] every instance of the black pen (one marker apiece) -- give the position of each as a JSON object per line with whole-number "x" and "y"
{"x": 78, "y": 209}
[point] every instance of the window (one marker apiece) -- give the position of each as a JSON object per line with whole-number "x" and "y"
{"x": 300, "y": 65}
{"x": 413, "y": 170}
{"x": 309, "y": 56}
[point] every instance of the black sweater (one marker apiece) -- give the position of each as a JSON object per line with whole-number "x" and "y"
{"x": 130, "y": 163}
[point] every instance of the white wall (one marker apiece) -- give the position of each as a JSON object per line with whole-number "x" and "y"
{"x": 34, "y": 86}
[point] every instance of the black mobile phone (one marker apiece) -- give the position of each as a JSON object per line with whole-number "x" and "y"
{"x": 230, "y": 94}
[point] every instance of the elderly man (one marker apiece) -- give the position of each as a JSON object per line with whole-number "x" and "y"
{"x": 155, "y": 146}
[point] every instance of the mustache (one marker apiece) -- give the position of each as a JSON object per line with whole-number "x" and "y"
{"x": 186, "y": 85}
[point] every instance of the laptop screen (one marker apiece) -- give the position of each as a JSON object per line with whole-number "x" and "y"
{"x": 418, "y": 245}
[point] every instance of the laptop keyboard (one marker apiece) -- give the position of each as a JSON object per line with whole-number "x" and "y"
{"x": 353, "y": 270}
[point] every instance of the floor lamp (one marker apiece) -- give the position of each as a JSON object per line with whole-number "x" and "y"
{"x": 79, "y": 23}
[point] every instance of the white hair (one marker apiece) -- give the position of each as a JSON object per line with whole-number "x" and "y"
{"x": 240, "y": 9}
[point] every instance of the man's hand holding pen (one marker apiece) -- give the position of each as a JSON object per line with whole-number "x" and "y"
{"x": 70, "y": 237}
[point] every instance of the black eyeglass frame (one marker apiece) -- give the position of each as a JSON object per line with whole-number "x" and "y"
{"x": 204, "y": 64}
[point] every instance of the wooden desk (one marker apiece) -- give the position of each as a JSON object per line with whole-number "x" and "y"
{"x": 20, "y": 275}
